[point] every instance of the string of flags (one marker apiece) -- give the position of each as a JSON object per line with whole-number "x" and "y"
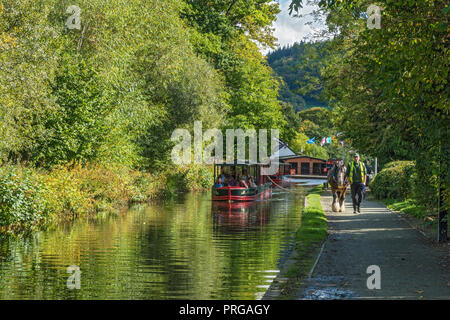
{"x": 324, "y": 141}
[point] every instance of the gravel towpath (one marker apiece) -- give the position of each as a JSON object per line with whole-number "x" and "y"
{"x": 411, "y": 266}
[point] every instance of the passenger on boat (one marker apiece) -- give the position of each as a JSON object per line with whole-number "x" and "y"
{"x": 251, "y": 183}
{"x": 245, "y": 176}
{"x": 243, "y": 183}
{"x": 233, "y": 174}
{"x": 231, "y": 182}
{"x": 222, "y": 175}
{"x": 219, "y": 183}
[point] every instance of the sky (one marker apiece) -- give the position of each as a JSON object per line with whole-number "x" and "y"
{"x": 289, "y": 29}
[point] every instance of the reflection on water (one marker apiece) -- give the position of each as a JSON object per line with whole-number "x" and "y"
{"x": 189, "y": 248}
{"x": 304, "y": 182}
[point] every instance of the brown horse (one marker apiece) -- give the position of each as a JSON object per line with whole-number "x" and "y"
{"x": 339, "y": 185}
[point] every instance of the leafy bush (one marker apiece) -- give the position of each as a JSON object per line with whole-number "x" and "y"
{"x": 189, "y": 178}
{"x": 425, "y": 183}
{"x": 75, "y": 192}
{"x": 205, "y": 178}
{"x": 21, "y": 197}
{"x": 79, "y": 190}
{"x": 29, "y": 196}
{"x": 394, "y": 181}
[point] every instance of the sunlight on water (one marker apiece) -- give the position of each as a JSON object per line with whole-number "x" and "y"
{"x": 189, "y": 248}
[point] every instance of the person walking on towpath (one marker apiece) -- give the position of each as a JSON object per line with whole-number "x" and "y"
{"x": 357, "y": 174}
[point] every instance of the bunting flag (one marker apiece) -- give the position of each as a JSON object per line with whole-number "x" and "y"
{"x": 311, "y": 141}
{"x": 342, "y": 143}
{"x": 329, "y": 140}
{"x": 322, "y": 142}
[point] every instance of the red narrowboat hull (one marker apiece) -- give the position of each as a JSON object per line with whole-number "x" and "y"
{"x": 242, "y": 194}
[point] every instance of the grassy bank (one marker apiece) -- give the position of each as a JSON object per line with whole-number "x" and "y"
{"x": 308, "y": 240}
{"x": 32, "y": 198}
{"x": 314, "y": 223}
{"x": 417, "y": 215}
{"x": 409, "y": 207}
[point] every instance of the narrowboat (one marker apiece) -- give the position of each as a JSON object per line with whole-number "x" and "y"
{"x": 232, "y": 175}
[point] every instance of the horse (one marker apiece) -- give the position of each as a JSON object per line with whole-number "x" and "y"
{"x": 339, "y": 185}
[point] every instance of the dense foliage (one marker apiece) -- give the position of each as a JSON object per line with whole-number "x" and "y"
{"x": 116, "y": 89}
{"x": 21, "y": 197}
{"x": 224, "y": 33}
{"x": 394, "y": 181}
{"x": 113, "y": 91}
{"x": 106, "y": 92}
{"x": 389, "y": 86}
{"x": 30, "y": 197}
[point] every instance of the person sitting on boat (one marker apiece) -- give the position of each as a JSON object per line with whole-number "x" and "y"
{"x": 242, "y": 182}
{"x": 251, "y": 182}
{"x": 233, "y": 171}
{"x": 222, "y": 176}
{"x": 245, "y": 176}
{"x": 219, "y": 183}
{"x": 231, "y": 182}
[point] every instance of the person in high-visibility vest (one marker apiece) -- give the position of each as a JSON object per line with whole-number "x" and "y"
{"x": 357, "y": 175}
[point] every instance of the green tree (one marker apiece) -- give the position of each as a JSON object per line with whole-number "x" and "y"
{"x": 224, "y": 33}
{"x": 110, "y": 92}
{"x": 27, "y": 64}
{"x": 77, "y": 128}
{"x": 390, "y": 85}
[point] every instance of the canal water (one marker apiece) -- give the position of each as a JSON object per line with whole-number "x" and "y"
{"x": 185, "y": 248}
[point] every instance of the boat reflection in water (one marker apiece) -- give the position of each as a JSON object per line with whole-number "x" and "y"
{"x": 240, "y": 216}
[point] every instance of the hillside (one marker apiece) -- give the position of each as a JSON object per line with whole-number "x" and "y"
{"x": 298, "y": 66}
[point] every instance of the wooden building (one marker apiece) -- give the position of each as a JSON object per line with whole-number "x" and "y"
{"x": 306, "y": 165}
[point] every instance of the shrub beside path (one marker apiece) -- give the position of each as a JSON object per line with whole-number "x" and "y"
{"x": 412, "y": 266}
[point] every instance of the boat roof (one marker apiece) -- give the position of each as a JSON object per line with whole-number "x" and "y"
{"x": 301, "y": 156}
{"x": 246, "y": 163}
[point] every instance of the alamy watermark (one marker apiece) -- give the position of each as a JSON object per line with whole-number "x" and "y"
{"x": 373, "y": 17}
{"x": 74, "y": 20}
{"x": 374, "y": 280}
{"x": 74, "y": 280}
{"x": 214, "y": 151}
